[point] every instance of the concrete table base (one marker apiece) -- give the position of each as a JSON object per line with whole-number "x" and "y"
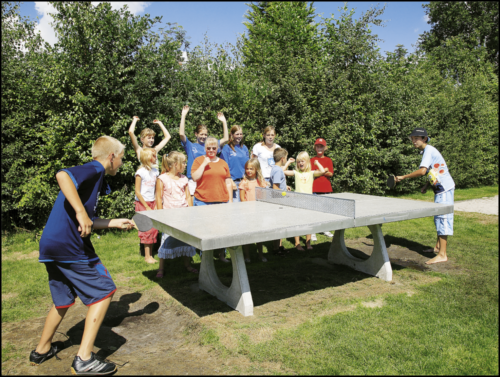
{"x": 377, "y": 264}
{"x": 238, "y": 295}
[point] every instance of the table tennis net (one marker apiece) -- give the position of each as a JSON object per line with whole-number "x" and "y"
{"x": 320, "y": 203}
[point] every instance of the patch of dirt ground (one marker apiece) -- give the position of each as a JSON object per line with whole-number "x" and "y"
{"x": 157, "y": 332}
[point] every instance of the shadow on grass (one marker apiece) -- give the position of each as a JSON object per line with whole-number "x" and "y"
{"x": 277, "y": 279}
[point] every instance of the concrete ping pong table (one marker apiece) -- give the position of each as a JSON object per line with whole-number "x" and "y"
{"x": 274, "y": 216}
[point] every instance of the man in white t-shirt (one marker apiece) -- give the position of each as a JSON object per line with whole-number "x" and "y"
{"x": 442, "y": 184}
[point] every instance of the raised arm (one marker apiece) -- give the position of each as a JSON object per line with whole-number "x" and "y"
{"x": 166, "y": 135}
{"x": 321, "y": 170}
{"x": 68, "y": 188}
{"x": 158, "y": 193}
{"x": 290, "y": 161}
{"x": 182, "y": 135}
{"x": 131, "y": 133}
{"x": 289, "y": 173}
{"x": 222, "y": 118}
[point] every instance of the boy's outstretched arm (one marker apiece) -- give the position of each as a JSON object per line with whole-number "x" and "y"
{"x": 182, "y": 135}
{"x": 113, "y": 223}
{"x": 131, "y": 133}
{"x": 222, "y": 118}
{"x": 68, "y": 188}
{"x": 417, "y": 173}
{"x": 166, "y": 135}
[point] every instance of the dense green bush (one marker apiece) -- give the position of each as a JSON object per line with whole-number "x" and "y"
{"x": 309, "y": 80}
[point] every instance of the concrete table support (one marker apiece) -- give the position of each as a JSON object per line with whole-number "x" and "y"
{"x": 238, "y": 295}
{"x": 377, "y": 264}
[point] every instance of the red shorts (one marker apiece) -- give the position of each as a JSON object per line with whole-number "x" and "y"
{"x": 148, "y": 237}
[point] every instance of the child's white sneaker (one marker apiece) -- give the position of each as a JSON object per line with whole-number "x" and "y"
{"x": 328, "y": 234}
{"x": 313, "y": 237}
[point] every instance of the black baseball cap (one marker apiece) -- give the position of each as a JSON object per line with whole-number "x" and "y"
{"x": 419, "y": 132}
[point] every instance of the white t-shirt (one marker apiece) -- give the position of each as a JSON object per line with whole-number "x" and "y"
{"x": 437, "y": 170}
{"x": 265, "y": 157}
{"x": 148, "y": 183}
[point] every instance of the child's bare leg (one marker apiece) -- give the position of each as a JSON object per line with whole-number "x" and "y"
{"x": 162, "y": 265}
{"x": 222, "y": 256}
{"x": 435, "y": 250}
{"x": 297, "y": 244}
{"x": 261, "y": 253}
{"x": 187, "y": 264}
{"x": 95, "y": 316}
{"x": 148, "y": 249}
{"x": 52, "y": 322}
{"x": 308, "y": 242}
{"x": 441, "y": 257}
{"x": 246, "y": 253}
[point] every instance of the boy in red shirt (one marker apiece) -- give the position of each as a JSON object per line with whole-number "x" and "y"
{"x": 322, "y": 184}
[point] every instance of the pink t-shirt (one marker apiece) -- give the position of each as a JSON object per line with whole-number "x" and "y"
{"x": 249, "y": 188}
{"x": 174, "y": 191}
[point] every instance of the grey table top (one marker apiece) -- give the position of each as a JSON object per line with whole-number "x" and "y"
{"x": 233, "y": 224}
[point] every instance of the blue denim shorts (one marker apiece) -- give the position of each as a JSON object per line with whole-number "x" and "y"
{"x": 444, "y": 223}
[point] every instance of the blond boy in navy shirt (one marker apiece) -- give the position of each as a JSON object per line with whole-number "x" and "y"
{"x": 73, "y": 267}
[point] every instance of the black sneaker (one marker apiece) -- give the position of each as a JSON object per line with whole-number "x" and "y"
{"x": 92, "y": 366}
{"x": 38, "y": 358}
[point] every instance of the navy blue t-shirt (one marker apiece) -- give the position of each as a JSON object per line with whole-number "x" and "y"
{"x": 235, "y": 159}
{"x": 61, "y": 240}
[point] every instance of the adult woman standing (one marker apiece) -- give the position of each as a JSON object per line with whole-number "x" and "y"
{"x": 264, "y": 151}
{"x": 197, "y": 149}
{"x": 213, "y": 180}
{"x": 235, "y": 153}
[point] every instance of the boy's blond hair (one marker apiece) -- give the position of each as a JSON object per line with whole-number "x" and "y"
{"x": 104, "y": 146}
{"x": 254, "y": 163}
{"x": 303, "y": 156}
{"x": 279, "y": 153}
{"x": 146, "y": 154}
{"x": 168, "y": 161}
{"x": 146, "y": 132}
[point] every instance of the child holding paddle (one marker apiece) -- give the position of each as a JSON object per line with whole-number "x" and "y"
{"x": 147, "y": 138}
{"x": 304, "y": 178}
{"x": 172, "y": 191}
{"x": 72, "y": 264}
{"x": 322, "y": 184}
{"x": 145, "y": 181}
{"x": 442, "y": 184}
{"x": 253, "y": 178}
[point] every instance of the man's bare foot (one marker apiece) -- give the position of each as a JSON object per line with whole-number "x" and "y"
{"x": 438, "y": 258}
{"x": 150, "y": 260}
{"x": 430, "y": 251}
{"x": 299, "y": 247}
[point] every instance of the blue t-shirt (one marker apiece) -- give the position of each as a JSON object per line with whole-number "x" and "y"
{"x": 194, "y": 150}
{"x": 235, "y": 159}
{"x": 437, "y": 170}
{"x": 61, "y": 240}
{"x": 277, "y": 177}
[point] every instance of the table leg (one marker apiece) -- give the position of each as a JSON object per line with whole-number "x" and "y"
{"x": 377, "y": 264}
{"x": 238, "y": 295}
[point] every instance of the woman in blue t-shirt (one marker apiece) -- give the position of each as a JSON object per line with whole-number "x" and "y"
{"x": 235, "y": 153}
{"x": 197, "y": 149}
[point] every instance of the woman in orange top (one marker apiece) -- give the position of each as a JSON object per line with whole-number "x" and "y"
{"x": 213, "y": 180}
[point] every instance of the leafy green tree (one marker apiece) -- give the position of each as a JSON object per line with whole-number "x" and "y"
{"x": 475, "y": 21}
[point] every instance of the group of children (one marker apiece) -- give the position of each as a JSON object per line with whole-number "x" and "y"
{"x": 74, "y": 269}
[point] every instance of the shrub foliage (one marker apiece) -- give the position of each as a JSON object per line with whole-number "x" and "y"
{"x": 325, "y": 79}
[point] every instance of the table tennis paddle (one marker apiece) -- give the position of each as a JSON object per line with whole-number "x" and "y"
{"x": 141, "y": 223}
{"x": 391, "y": 181}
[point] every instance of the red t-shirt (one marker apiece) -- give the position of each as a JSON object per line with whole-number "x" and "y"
{"x": 322, "y": 184}
{"x": 211, "y": 187}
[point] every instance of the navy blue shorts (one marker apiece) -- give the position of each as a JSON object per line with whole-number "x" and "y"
{"x": 89, "y": 281}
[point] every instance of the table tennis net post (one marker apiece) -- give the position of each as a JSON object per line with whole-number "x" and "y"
{"x": 320, "y": 203}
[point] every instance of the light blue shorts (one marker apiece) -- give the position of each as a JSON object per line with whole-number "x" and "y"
{"x": 444, "y": 223}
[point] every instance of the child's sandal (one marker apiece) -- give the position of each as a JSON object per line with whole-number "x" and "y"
{"x": 159, "y": 275}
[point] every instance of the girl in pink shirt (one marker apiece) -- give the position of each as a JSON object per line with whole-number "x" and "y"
{"x": 172, "y": 192}
{"x": 253, "y": 178}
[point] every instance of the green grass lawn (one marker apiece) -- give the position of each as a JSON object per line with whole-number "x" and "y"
{"x": 446, "y": 327}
